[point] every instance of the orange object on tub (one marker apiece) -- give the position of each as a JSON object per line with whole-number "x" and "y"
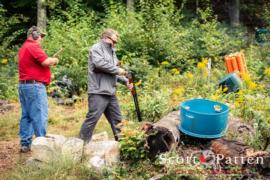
{"x": 228, "y": 64}
{"x": 240, "y": 63}
{"x": 236, "y": 63}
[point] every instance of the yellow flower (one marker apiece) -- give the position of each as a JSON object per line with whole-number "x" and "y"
{"x": 175, "y": 71}
{"x": 237, "y": 104}
{"x": 240, "y": 98}
{"x": 252, "y": 85}
{"x": 246, "y": 77}
{"x": 4, "y": 61}
{"x": 201, "y": 65}
{"x": 225, "y": 89}
{"x": 138, "y": 83}
{"x": 178, "y": 91}
{"x": 214, "y": 97}
{"x": 164, "y": 63}
{"x": 204, "y": 61}
{"x": 267, "y": 71}
{"x": 189, "y": 75}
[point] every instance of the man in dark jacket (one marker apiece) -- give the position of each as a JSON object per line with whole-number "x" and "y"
{"x": 34, "y": 75}
{"x": 103, "y": 74}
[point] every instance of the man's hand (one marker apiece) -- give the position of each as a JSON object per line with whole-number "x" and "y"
{"x": 130, "y": 86}
{"x": 121, "y": 72}
{"x": 56, "y": 60}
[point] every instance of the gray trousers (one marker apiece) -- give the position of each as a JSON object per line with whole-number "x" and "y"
{"x": 97, "y": 105}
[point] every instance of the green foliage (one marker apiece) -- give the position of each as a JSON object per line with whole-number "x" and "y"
{"x": 74, "y": 35}
{"x": 153, "y": 98}
{"x": 262, "y": 138}
{"x": 8, "y": 76}
{"x": 212, "y": 39}
{"x": 8, "y": 54}
{"x": 7, "y": 37}
{"x": 258, "y": 59}
{"x": 132, "y": 142}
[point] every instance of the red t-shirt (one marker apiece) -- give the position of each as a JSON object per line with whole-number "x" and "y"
{"x": 31, "y": 55}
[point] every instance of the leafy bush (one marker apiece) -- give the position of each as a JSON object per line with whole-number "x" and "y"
{"x": 153, "y": 98}
{"x": 131, "y": 141}
{"x": 8, "y": 54}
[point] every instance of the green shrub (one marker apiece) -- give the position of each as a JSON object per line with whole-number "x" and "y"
{"x": 153, "y": 96}
{"x": 132, "y": 141}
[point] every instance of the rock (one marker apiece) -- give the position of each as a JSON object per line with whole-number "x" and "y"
{"x": 73, "y": 147}
{"x": 103, "y": 136}
{"x": 96, "y": 162}
{"x": 33, "y": 162}
{"x": 107, "y": 150}
{"x": 43, "y": 149}
{"x": 59, "y": 140}
{"x": 157, "y": 177}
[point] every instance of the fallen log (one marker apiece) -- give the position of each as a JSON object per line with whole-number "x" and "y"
{"x": 163, "y": 135}
{"x": 236, "y": 153}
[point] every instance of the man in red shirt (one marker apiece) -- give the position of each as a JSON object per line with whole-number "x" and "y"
{"x": 34, "y": 75}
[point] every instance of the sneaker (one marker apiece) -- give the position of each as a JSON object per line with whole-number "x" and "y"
{"x": 25, "y": 149}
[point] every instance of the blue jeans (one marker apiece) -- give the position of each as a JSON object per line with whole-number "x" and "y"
{"x": 34, "y": 117}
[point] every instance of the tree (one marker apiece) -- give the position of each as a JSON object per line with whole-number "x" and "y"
{"x": 234, "y": 12}
{"x": 130, "y": 5}
{"x": 41, "y": 14}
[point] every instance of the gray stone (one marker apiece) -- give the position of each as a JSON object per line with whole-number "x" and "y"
{"x": 33, "y": 162}
{"x": 43, "y": 149}
{"x": 96, "y": 162}
{"x": 73, "y": 148}
{"x": 107, "y": 150}
{"x": 103, "y": 136}
{"x": 59, "y": 140}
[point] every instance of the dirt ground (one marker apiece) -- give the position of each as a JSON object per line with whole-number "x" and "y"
{"x": 5, "y": 106}
{"x": 10, "y": 154}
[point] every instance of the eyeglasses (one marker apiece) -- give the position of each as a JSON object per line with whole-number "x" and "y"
{"x": 114, "y": 42}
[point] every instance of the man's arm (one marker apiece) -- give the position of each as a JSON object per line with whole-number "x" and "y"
{"x": 50, "y": 61}
{"x": 40, "y": 56}
{"x": 122, "y": 79}
{"x": 104, "y": 66}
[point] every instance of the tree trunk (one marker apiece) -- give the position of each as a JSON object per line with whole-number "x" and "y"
{"x": 41, "y": 14}
{"x": 197, "y": 7}
{"x": 130, "y": 5}
{"x": 163, "y": 135}
{"x": 234, "y": 12}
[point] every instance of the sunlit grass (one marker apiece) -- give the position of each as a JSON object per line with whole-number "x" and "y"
{"x": 65, "y": 120}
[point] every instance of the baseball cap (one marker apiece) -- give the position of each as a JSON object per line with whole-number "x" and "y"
{"x": 37, "y": 29}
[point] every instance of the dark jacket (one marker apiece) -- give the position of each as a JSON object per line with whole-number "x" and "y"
{"x": 103, "y": 69}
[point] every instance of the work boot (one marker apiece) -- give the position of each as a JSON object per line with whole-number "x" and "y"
{"x": 25, "y": 149}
